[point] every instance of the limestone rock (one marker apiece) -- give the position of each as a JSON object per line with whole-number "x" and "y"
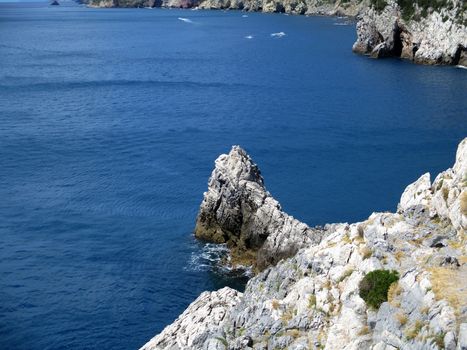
{"x": 417, "y": 193}
{"x": 463, "y": 336}
{"x": 427, "y": 37}
{"x": 446, "y": 197}
{"x": 238, "y": 210}
{"x": 311, "y": 300}
{"x": 200, "y": 325}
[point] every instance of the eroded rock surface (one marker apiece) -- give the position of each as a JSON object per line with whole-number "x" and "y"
{"x": 299, "y": 7}
{"x": 238, "y": 210}
{"x": 200, "y": 325}
{"x": 429, "y": 36}
{"x": 312, "y": 301}
{"x": 426, "y": 35}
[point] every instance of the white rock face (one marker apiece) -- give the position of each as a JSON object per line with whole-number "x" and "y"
{"x": 437, "y": 37}
{"x": 196, "y": 327}
{"x": 299, "y": 7}
{"x": 432, "y": 37}
{"x": 312, "y": 300}
{"x": 238, "y": 210}
{"x": 418, "y": 193}
{"x": 446, "y": 197}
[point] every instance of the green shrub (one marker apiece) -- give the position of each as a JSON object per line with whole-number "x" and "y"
{"x": 375, "y": 285}
{"x": 379, "y": 5}
{"x": 408, "y": 6}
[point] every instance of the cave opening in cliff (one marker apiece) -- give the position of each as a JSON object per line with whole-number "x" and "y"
{"x": 397, "y": 48}
{"x": 457, "y": 56}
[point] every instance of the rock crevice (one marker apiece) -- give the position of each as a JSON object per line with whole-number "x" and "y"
{"x": 238, "y": 210}
{"x": 428, "y": 36}
{"x": 311, "y": 300}
{"x": 438, "y": 37}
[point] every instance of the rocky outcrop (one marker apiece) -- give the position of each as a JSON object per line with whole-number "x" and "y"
{"x": 312, "y": 300}
{"x": 426, "y": 36}
{"x": 309, "y": 7}
{"x": 199, "y": 324}
{"x": 446, "y": 198}
{"x": 238, "y": 210}
{"x": 298, "y": 7}
{"x": 185, "y": 4}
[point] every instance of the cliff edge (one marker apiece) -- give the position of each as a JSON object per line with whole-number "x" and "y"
{"x": 427, "y": 34}
{"x": 423, "y": 31}
{"x": 238, "y": 210}
{"x": 317, "y": 298}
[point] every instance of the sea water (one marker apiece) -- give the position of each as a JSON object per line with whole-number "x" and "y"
{"x": 110, "y": 122}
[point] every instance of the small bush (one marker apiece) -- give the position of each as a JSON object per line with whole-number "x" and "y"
{"x": 424, "y": 310}
{"x": 223, "y": 341}
{"x": 379, "y": 5}
{"x": 287, "y": 315}
{"x": 312, "y": 301}
{"x": 412, "y": 333}
{"x": 438, "y": 339}
{"x": 375, "y": 285}
{"x": 294, "y": 333}
{"x": 402, "y": 318}
{"x": 393, "y": 292}
{"x": 408, "y": 7}
{"x": 364, "y": 331}
{"x": 399, "y": 255}
{"x": 365, "y": 252}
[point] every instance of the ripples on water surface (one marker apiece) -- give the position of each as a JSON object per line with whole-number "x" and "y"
{"x": 110, "y": 121}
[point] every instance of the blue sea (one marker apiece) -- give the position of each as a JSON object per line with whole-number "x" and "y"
{"x": 110, "y": 122}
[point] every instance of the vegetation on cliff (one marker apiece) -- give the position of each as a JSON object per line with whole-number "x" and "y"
{"x": 375, "y": 285}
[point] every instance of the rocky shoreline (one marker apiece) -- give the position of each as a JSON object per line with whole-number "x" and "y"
{"x": 238, "y": 210}
{"x": 422, "y": 32}
{"x": 438, "y": 36}
{"x": 310, "y": 296}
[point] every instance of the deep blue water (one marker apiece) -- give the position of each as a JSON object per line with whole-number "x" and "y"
{"x": 110, "y": 121}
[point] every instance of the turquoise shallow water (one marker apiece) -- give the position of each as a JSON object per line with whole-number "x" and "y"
{"x": 110, "y": 121}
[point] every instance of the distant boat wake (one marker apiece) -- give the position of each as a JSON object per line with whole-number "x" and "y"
{"x": 278, "y": 35}
{"x": 186, "y": 20}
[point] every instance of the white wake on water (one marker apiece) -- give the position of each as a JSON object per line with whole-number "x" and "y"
{"x": 186, "y": 20}
{"x": 278, "y": 35}
{"x": 216, "y": 257}
{"x": 211, "y": 255}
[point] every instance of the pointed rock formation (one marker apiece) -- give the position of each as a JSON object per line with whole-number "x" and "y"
{"x": 312, "y": 300}
{"x": 238, "y": 210}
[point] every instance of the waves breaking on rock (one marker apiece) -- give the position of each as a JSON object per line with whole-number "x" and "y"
{"x": 237, "y": 210}
{"x": 215, "y": 257}
{"x": 311, "y": 299}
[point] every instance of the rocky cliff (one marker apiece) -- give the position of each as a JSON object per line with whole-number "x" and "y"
{"x": 432, "y": 34}
{"x": 309, "y": 7}
{"x": 423, "y": 31}
{"x": 314, "y": 300}
{"x": 238, "y": 210}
